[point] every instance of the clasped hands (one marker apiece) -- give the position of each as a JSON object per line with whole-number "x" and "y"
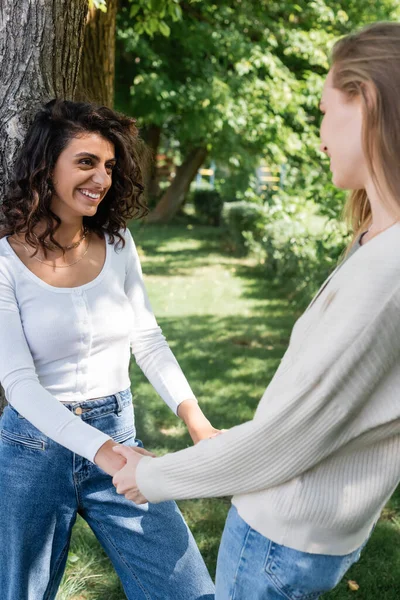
{"x": 121, "y": 461}
{"x": 125, "y": 479}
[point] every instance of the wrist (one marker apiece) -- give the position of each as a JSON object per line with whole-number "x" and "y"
{"x": 192, "y": 415}
{"x": 107, "y": 459}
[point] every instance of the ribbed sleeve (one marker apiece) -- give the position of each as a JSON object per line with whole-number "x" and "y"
{"x": 330, "y": 386}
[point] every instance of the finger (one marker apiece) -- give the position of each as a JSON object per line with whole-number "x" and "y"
{"x": 124, "y": 451}
{"x": 136, "y": 497}
{"x": 143, "y": 451}
{"x": 122, "y": 489}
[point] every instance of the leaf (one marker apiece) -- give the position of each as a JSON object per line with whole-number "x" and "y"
{"x": 353, "y": 585}
{"x": 164, "y": 29}
{"x": 73, "y": 558}
{"x": 134, "y": 10}
{"x": 99, "y": 4}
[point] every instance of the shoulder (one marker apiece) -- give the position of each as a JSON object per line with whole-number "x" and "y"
{"x": 7, "y": 262}
{"x": 126, "y": 253}
{"x": 120, "y": 244}
{"x": 375, "y": 267}
{"x": 8, "y": 269}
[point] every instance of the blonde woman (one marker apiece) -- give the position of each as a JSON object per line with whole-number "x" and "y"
{"x": 310, "y": 474}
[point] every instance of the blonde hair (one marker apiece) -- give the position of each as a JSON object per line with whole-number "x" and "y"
{"x": 367, "y": 64}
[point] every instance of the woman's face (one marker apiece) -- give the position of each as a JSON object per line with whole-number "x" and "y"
{"x": 82, "y": 175}
{"x": 341, "y": 137}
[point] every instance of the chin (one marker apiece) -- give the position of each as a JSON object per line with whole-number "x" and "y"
{"x": 88, "y": 211}
{"x": 342, "y": 182}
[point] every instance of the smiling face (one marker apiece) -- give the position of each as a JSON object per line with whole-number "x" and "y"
{"x": 341, "y": 137}
{"x": 82, "y": 176}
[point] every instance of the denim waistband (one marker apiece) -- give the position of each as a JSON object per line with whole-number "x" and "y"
{"x": 88, "y": 409}
{"x": 99, "y": 406}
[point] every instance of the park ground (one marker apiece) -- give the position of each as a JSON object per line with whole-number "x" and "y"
{"x": 229, "y": 327}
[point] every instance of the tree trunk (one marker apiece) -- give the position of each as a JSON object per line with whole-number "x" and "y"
{"x": 173, "y": 198}
{"x": 40, "y": 50}
{"x": 152, "y": 137}
{"x": 97, "y": 72}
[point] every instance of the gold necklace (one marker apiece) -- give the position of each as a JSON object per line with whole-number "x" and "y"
{"x": 56, "y": 266}
{"x": 71, "y": 246}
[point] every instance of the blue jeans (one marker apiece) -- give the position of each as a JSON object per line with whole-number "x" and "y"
{"x": 252, "y": 566}
{"x": 43, "y": 488}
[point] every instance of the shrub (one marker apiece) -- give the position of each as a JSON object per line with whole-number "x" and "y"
{"x": 295, "y": 257}
{"x": 208, "y": 205}
{"x": 241, "y": 217}
{"x": 297, "y": 247}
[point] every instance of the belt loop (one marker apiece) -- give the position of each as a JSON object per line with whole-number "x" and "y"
{"x": 119, "y": 403}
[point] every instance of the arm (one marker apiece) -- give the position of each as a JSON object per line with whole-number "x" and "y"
{"x": 154, "y": 356}
{"x": 24, "y": 392}
{"x": 316, "y": 418}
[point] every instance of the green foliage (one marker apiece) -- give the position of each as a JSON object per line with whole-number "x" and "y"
{"x": 99, "y": 4}
{"x": 296, "y": 257}
{"x": 208, "y": 205}
{"x": 242, "y": 79}
{"x": 149, "y": 16}
{"x": 296, "y": 247}
{"x": 242, "y": 217}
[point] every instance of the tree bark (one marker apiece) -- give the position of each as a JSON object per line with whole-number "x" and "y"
{"x": 97, "y": 72}
{"x": 173, "y": 198}
{"x": 152, "y": 137}
{"x": 40, "y": 50}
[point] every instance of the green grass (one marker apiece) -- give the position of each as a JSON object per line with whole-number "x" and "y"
{"x": 228, "y": 328}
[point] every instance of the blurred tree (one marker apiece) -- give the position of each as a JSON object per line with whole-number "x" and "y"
{"x": 235, "y": 81}
{"x": 97, "y": 71}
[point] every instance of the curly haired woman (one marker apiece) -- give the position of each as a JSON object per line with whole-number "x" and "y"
{"x": 72, "y": 306}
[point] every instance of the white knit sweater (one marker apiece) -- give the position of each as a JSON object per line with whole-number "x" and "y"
{"x": 321, "y": 457}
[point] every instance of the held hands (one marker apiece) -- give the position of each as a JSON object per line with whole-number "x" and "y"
{"x": 125, "y": 480}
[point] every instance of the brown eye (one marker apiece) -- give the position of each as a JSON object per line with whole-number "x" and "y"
{"x": 86, "y": 161}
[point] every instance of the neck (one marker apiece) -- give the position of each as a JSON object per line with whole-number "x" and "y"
{"x": 68, "y": 233}
{"x": 383, "y": 212}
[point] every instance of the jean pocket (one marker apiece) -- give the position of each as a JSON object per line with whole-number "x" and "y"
{"x": 124, "y": 436}
{"x": 10, "y": 437}
{"x": 303, "y": 576}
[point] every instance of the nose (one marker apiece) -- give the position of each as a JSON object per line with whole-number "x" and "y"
{"x": 101, "y": 177}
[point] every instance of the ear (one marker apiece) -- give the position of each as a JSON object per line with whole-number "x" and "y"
{"x": 369, "y": 94}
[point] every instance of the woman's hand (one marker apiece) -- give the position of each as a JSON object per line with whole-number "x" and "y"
{"x": 125, "y": 480}
{"x": 204, "y": 432}
{"x": 198, "y": 425}
{"x": 108, "y": 460}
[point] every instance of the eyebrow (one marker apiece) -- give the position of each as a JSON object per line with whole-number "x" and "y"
{"x": 93, "y": 156}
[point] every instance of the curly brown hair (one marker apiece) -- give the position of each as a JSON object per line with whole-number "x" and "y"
{"x": 30, "y": 191}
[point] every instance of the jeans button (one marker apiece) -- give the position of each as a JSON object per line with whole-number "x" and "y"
{"x": 78, "y": 410}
